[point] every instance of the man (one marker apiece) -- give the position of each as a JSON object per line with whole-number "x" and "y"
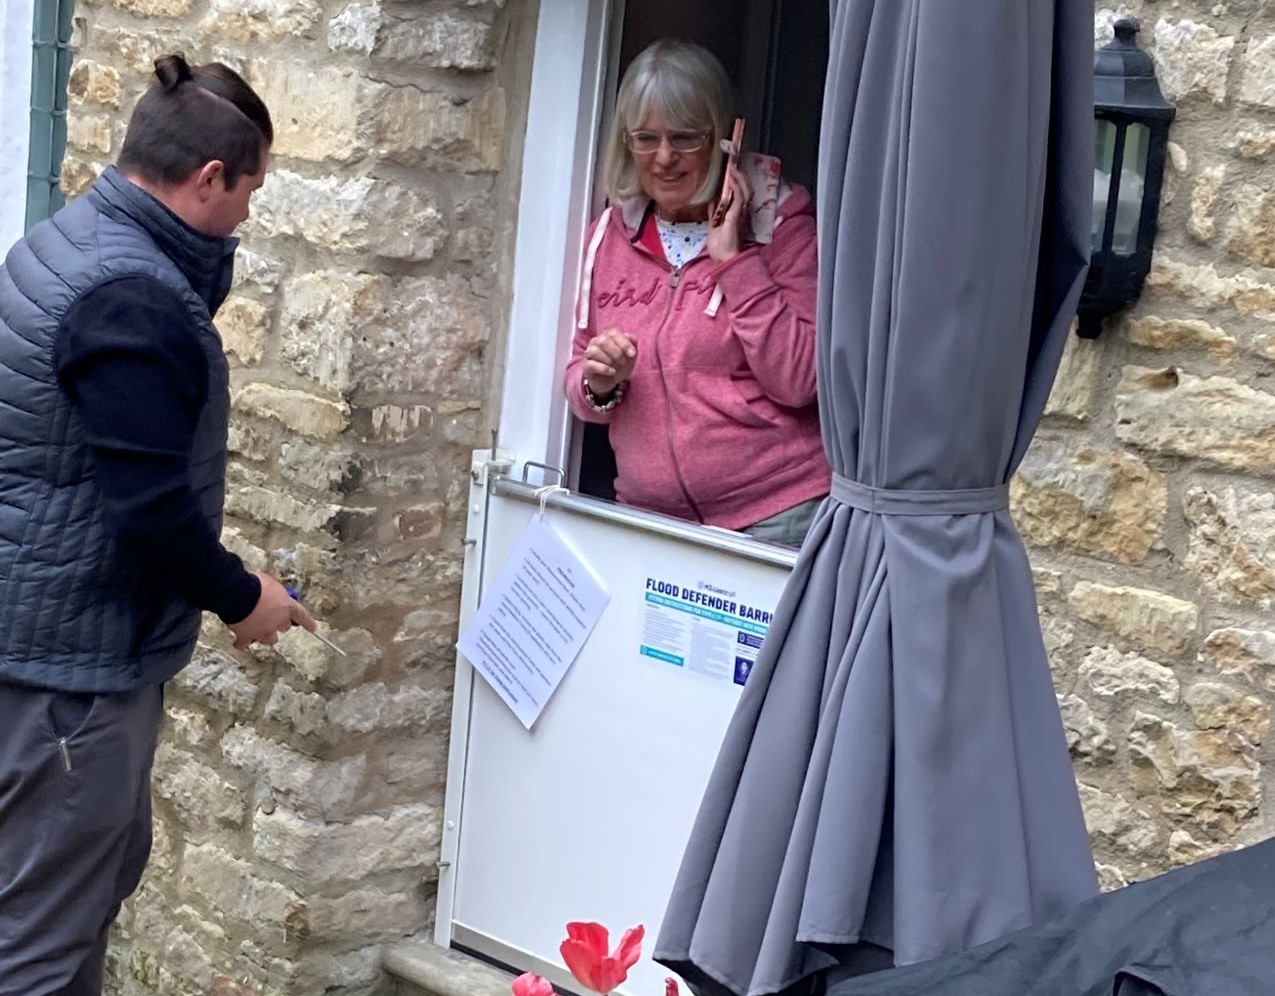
{"x": 114, "y": 405}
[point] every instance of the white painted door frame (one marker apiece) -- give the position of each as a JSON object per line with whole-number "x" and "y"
{"x": 16, "y": 19}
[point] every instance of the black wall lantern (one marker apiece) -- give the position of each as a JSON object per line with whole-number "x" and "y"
{"x": 1132, "y": 135}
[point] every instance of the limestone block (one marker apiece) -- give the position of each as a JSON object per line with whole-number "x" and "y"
{"x": 1209, "y": 776}
{"x": 410, "y": 768}
{"x": 317, "y": 113}
{"x": 235, "y": 541}
{"x": 324, "y": 313}
{"x": 1186, "y": 850}
{"x": 418, "y": 335}
{"x": 1047, "y": 583}
{"x": 420, "y": 522}
{"x": 1114, "y": 823}
{"x": 187, "y": 728}
{"x": 250, "y": 442}
{"x": 438, "y": 40}
{"x": 317, "y": 663}
{"x": 338, "y": 971}
{"x": 1150, "y": 618}
{"x": 1105, "y": 503}
{"x": 322, "y": 466}
{"x": 399, "y": 423}
{"x": 261, "y": 20}
{"x": 327, "y": 521}
{"x": 403, "y": 838}
{"x": 1179, "y": 160}
{"x": 164, "y": 848}
{"x": 1192, "y": 59}
{"x": 1073, "y": 391}
{"x": 321, "y": 789}
{"x": 1059, "y": 634}
{"x": 1109, "y": 673}
{"x": 1203, "y": 201}
{"x": 89, "y": 132}
{"x": 1254, "y": 143}
{"x": 441, "y": 131}
{"x": 1207, "y": 418}
{"x": 359, "y": 214}
{"x": 356, "y": 28}
{"x": 368, "y": 915}
{"x": 1249, "y": 234}
{"x": 155, "y": 8}
{"x": 1202, "y": 286}
{"x": 218, "y": 681}
{"x": 307, "y": 414}
{"x": 256, "y": 271}
{"x": 1175, "y": 334}
{"x": 184, "y": 960}
{"x": 476, "y": 226}
{"x": 237, "y": 891}
{"x": 1232, "y": 544}
{"x": 131, "y": 52}
{"x": 1088, "y": 737}
{"x": 426, "y": 637}
{"x": 410, "y": 475}
{"x": 78, "y": 174}
{"x": 1110, "y": 877}
{"x": 195, "y": 791}
{"x": 244, "y": 325}
{"x": 303, "y": 712}
{"x": 376, "y": 707}
{"x": 1257, "y": 79}
{"x": 1215, "y": 706}
{"x": 93, "y": 83}
{"x": 1246, "y": 652}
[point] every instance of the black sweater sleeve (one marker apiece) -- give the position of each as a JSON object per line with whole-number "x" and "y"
{"x": 129, "y": 358}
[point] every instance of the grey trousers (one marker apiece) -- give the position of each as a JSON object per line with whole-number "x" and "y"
{"x": 75, "y": 830}
{"x": 789, "y": 527}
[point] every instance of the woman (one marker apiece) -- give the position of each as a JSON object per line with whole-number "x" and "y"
{"x": 696, "y": 346}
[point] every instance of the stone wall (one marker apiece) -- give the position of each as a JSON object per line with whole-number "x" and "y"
{"x": 298, "y": 793}
{"x": 1148, "y": 498}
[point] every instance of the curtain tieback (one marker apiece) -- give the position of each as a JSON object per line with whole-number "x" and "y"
{"x": 886, "y": 501}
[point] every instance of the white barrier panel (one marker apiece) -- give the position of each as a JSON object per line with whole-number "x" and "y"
{"x": 586, "y": 816}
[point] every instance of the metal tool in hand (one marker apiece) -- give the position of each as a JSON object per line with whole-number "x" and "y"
{"x": 296, "y": 596}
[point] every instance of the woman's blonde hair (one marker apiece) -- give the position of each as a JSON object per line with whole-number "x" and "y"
{"x": 686, "y": 86}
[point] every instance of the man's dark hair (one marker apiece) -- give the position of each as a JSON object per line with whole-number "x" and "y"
{"x": 191, "y": 116}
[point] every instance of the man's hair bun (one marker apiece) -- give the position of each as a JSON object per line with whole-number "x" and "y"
{"x": 172, "y": 71}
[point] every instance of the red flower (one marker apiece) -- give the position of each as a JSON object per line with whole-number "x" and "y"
{"x": 670, "y": 987}
{"x": 585, "y": 952}
{"x": 530, "y": 984}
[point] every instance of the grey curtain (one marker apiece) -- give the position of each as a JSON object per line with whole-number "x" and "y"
{"x": 895, "y": 784}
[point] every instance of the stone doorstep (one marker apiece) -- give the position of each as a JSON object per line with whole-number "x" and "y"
{"x": 422, "y": 967}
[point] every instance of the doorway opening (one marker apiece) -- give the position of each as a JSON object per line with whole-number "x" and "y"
{"x": 776, "y": 55}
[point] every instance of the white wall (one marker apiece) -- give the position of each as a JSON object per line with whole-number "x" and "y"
{"x": 15, "y": 109}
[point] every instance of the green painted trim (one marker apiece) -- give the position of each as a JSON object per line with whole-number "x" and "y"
{"x": 50, "y": 73}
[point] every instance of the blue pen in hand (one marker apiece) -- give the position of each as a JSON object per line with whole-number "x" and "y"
{"x": 296, "y": 597}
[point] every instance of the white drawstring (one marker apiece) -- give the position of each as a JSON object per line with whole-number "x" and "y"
{"x": 715, "y": 302}
{"x": 586, "y": 278}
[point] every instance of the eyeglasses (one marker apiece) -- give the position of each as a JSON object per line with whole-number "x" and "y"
{"x": 645, "y": 143}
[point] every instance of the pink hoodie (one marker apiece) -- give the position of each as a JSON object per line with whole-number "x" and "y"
{"x": 719, "y": 423}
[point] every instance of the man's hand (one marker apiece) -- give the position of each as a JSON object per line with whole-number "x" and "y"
{"x": 608, "y": 360}
{"x": 274, "y": 612}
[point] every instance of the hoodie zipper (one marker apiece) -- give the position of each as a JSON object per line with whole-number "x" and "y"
{"x": 675, "y": 278}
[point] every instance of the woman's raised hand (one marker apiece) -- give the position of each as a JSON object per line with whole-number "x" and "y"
{"x": 609, "y": 360}
{"x": 724, "y": 239}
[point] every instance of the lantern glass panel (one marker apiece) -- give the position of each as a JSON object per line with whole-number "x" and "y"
{"x": 1133, "y": 178}
{"x": 1104, "y": 157}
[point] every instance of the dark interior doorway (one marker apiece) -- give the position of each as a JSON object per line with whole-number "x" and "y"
{"x": 776, "y": 54}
